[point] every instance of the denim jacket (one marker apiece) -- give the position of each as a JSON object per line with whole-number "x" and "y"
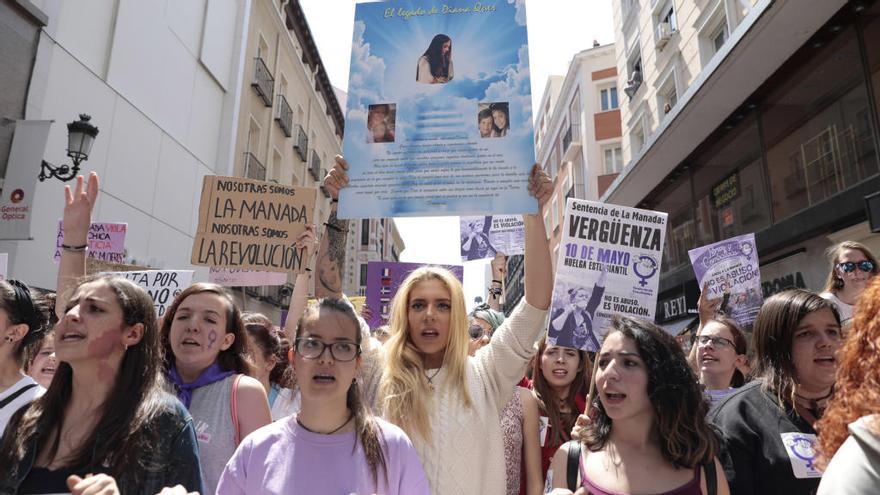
{"x": 175, "y": 457}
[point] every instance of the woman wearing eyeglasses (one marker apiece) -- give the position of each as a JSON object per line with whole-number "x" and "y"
{"x": 852, "y": 267}
{"x": 721, "y": 351}
{"x": 334, "y": 444}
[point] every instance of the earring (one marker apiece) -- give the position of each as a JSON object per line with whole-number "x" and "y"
{"x": 8, "y": 339}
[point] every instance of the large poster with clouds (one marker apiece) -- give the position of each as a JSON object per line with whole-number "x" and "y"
{"x": 439, "y": 117}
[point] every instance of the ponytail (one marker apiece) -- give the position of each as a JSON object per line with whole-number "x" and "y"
{"x": 368, "y": 434}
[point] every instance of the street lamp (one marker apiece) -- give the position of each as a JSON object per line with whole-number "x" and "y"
{"x": 80, "y": 137}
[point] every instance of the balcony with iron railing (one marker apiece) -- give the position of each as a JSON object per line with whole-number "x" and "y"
{"x": 284, "y": 115}
{"x": 315, "y": 167}
{"x": 253, "y": 169}
{"x": 571, "y": 141}
{"x": 263, "y": 82}
{"x": 301, "y": 145}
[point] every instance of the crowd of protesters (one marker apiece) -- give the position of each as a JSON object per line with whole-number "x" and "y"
{"x": 98, "y": 395}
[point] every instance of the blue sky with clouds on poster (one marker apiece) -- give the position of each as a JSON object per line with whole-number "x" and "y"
{"x": 558, "y": 29}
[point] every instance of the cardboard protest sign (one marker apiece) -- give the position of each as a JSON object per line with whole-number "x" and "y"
{"x": 106, "y": 241}
{"x": 731, "y": 267}
{"x": 251, "y": 224}
{"x": 231, "y": 277}
{"x": 482, "y": 237}
{"x": 439, "y": 117}
{"x": 609, "y": 264}
{"x": 162, "y": 285}
{"x": 383, "y": 279}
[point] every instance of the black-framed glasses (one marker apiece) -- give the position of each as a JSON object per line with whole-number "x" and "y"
{"x": 866, "y": 266}
{"x": 477, "y": 332}
{"x": 719, "y": 342}
{"x": 310, "y": 348}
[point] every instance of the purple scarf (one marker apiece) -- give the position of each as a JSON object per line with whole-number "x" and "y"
{"x": 185, "y": 390}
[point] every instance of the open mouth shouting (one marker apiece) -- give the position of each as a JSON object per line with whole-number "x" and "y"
{"x": 324, "y": 378}
{"x": 69, "y": 336}
{"x": 430, "y": 334}
{"x": 190, "y": 342}
{"x": 613, "y": 398}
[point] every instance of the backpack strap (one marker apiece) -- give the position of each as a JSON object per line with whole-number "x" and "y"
{"x": 711, "y": 478}
{"x": 14, "y": 395}
{"x": 573, "y": 464}
{"x": 234, "y": 408}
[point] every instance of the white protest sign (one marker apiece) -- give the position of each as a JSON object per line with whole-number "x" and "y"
{"x": 609, "y": 264}
{"x": 482, "y": 237}
{"x": 162, "y": 285}
{"x": 231, "y": 277}
{"x": 731, "y": 267}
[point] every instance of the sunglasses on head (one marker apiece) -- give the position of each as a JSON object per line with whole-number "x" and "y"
{"x": 850, "y": 266}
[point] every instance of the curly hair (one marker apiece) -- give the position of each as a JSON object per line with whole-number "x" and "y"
{"x": 685, "y": 437}
{"x": 857, "y": 390}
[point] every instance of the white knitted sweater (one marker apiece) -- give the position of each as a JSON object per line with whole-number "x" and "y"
{"x": 466, "y": 452}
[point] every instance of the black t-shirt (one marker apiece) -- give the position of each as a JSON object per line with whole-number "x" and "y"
{"x": 42, "y": 481}
{"x": 755, "y": 459}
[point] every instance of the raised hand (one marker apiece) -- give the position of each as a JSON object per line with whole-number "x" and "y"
{"x": 540, "y": 185}
{"x": 308, "y": 239}
{"x": 336, "y": 178}
{"x": 499, "y": 266}
{"x": 707, "y": 308}
{"x": 78, "y": 206}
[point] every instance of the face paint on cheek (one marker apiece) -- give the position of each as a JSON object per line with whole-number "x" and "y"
{"x": 212, "y": 339}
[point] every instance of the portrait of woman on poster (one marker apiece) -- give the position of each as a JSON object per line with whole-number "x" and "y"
{"x": 435, "y": 65}
{"x": 380, "y": 123}
{"x": 576, "y": 317}
{"x": 475, "y": 243}
{"x": 500, "y": 119}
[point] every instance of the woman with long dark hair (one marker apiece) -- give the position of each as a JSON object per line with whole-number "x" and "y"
{"x": 768, "y": 424}
{"x": 106, "y": 412}
{"x": 333, "y": 444}
{"x": 649, "y": 432}
{"x": 23, "y": 321}
{"x": 269, "y": 351}
{"x": 561, "y": 376}
{"x": 435, "y": 65}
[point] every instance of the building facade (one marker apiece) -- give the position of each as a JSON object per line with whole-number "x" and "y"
{"x": 369, "y": 239}
{"x": 161, "y": 82}
{"x": 20, "y": 24}
{"x": 578, "y": 134}
{"x": 290, "y": 124}
{"x": 773, "y": 130}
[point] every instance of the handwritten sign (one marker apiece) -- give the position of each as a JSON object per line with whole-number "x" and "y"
{"x": 162, "y": 285}
{"x": 251, "y": 224}
{"x": 231, "y": 277}
{"x": 106, "y": 241}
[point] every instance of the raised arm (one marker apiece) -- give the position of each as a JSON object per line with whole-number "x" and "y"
{"x": 538, "y": 267}
{"x": 77, "y": 219}
{"x": 502, "y": 362}
{"x": 496, "y": 287}
{"x": 300, "y": 297}
{"x": 331, "y": 252}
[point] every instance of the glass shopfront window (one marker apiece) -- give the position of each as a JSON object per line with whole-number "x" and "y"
{"x": 871, "y": 34}
{"x": 680, "y": 235}
{"x": 729, "y": 184}
{"x": 817, "y": 126}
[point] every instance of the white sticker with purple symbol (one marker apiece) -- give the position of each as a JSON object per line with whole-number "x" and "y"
{"x": 801, "y": 450}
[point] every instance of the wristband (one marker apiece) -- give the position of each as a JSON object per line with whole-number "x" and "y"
{"x": 75, "y": 249}
{"x": 497, "y": 282}
{"x": 334, "y": 200}
{"x": 333, "y": 227}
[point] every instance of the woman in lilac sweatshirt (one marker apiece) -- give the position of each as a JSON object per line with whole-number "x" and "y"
{"x": 333, "y": 445}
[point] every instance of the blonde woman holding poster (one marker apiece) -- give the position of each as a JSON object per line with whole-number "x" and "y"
{"x": 447, "y": 402}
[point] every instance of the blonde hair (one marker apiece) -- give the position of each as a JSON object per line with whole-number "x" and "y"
{"x": 404, "y": 396}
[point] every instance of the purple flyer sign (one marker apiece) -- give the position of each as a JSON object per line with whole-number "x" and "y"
{"x": 106, "y": 241}
{"x": 731, "y": 266}
{"x": 383, "y": 279}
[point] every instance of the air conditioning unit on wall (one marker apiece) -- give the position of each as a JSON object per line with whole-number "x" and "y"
{"x": 664, "y": 33}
